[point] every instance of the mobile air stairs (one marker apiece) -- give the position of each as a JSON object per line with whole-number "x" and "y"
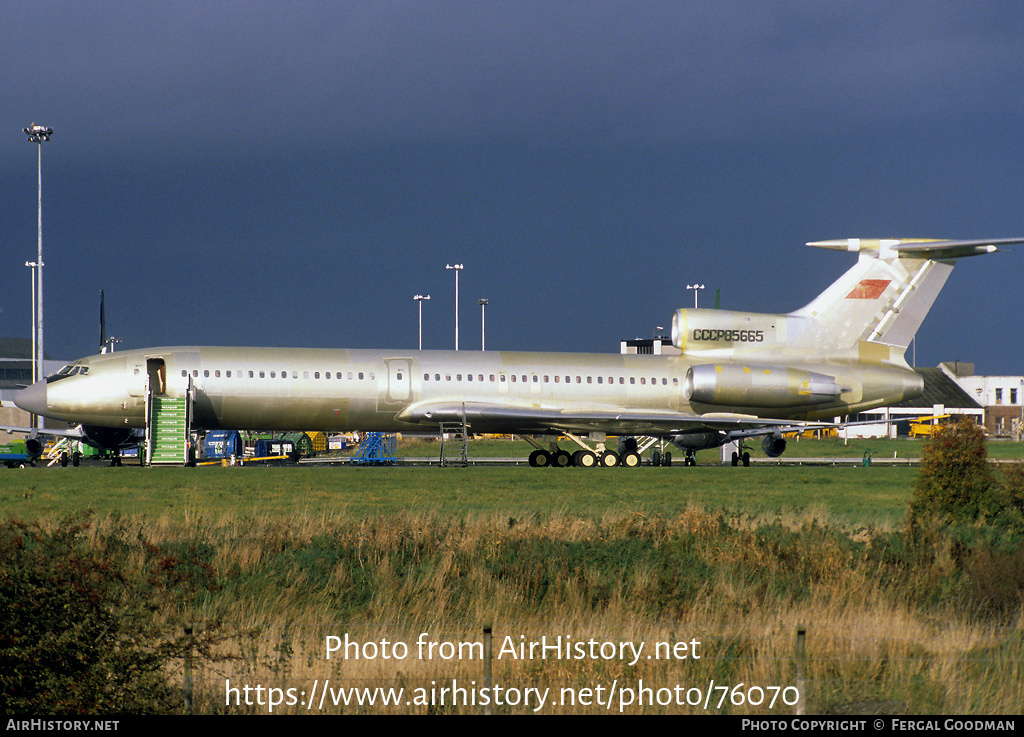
{"x": 168, "y": 428}
{"x": 376, "y": 449}
{"x": 455, "y": 443}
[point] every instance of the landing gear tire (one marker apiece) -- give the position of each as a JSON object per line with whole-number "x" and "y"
{"x": 561, "y": 459}
{"x": 584, "y": 459}
{"x": 609, "y": 459}
{"x": 735, "y": 458}
{"x": 63, "y": 460}
{"x": 76, "y": 459}
{"x": 746, "y": 459}
{"x": 666, "y": 460}
{"x": 656, "y": 458}
{"x": 539, "y": 459}
{"x": 630, "y": 459}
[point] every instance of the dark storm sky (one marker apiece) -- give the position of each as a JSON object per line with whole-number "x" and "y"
{"x": 289, "y": 173}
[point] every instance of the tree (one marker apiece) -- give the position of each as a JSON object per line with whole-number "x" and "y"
{"x": 955, "y": 483}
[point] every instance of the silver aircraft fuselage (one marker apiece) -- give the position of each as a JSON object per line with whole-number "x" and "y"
{"x": 337, "y": 389}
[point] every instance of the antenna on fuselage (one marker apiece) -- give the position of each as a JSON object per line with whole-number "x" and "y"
{"x": 103, "y": 325}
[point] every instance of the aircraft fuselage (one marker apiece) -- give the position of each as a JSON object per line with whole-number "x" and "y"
{"x": 337, "y": 389}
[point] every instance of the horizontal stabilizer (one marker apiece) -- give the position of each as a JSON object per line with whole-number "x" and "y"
{"x": 918, "y": 247}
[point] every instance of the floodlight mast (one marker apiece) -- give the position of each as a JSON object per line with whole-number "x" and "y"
{"x": 38, "y": 134}
{"x": 694, "y": 287}
{"x": 483, "y": 323}
{"x": 457, "y": 268}
{"x": 419, "y": 298}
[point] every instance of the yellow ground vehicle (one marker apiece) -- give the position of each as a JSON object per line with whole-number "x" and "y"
{"x": 923, "y": 427}
{"x": 818, "y": 433}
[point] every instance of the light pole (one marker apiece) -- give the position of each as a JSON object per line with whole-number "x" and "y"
{"x": 694, "y": 287}
{"x": 457, "y": 268}
{"x": 32, "y": 265}
{"x": 483, "y": 323}
{"x": 419, "y": 298}
{"x": 38, "y": 134}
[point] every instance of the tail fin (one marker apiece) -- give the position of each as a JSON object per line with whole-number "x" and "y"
{"x": 884, "y": 297}
{"x": 870, "y": 313}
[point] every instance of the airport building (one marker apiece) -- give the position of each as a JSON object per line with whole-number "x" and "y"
{"x": 660, "y": 346}
{"x": 1002, "y": 398}
{"x": 15, "y": 374}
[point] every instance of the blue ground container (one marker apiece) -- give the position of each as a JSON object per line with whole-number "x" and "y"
{"x": 222, "y": 444}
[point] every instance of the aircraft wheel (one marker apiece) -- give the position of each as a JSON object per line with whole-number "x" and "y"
{"x": 584, "y": 459}
{"x": 630, "y": 460}
{"x": 735, "y": 458}
{"x": 540, "y": 459}
{"x": 76, "y": 459}
{"x": 561, "y": 459}
{"x": 655, "y": 457}
{"x": 746, "y": 460}
{"x": 63, "y": 460}
{"x": 609, "y": 459}
{"x": 666, "y": 460}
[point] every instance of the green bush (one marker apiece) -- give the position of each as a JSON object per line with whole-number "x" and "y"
{"x": 76, "y": 637}
{"x": 955, "y": 483}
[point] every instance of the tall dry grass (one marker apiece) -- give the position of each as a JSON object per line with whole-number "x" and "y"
{"x": 890, "y": 626}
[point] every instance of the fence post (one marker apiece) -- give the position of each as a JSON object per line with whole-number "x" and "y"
{"x": 487, "y": 664}
{"x": 188, "y": 670}
{"x": 801, "y": 657}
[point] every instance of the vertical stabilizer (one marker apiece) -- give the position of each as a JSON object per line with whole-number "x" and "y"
{"x": 883, "y": 298}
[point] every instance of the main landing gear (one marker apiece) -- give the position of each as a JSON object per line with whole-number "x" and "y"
{"x": 628, "y": 455}
{"x": 743, "y": 456}
{"x": 560, "y": 458}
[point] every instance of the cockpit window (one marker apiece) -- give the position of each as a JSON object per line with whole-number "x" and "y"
{"x": 72, "y": 369}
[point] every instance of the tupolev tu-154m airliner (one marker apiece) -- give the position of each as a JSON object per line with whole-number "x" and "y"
{"x": 739, "y": 375}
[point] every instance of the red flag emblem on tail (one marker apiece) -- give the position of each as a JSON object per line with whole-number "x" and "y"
{"x": 868, "y": 289}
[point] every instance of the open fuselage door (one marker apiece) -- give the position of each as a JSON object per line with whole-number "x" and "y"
{"x": 168, "y": 418}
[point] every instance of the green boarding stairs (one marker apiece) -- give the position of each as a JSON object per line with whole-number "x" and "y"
{"x": 168, "y": 424}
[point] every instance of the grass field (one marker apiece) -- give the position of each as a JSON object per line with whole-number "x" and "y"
{"x": 275, "y": 560}
{"x": 851, "y": 496}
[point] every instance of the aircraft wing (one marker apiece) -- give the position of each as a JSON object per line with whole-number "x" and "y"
{"x": 74, "y": 432}
{"x": 489, "y": 417}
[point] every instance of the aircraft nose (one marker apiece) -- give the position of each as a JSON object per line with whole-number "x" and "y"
{"x": 32, "y": 398}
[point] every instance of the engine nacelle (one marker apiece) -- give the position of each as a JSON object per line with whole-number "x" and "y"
{"x": 716, "y": 330}
{"x": 701, "y": 440}
{"x": 758, "y": 386}
{"x": 772, "y": 446}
